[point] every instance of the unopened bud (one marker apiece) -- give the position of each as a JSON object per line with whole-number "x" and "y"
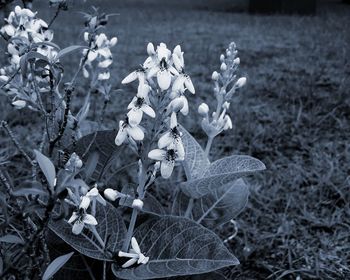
{"x": 228, "y": 122}
{"x": 226, "y": 105}
{"x": 228, "y": 53}
{"x": 150, "y": 49}
{"x": 137, "y": 204}
{"x": 4, "y": 78}
{"x": 176, "y": 105}
{"x": 203, "y": 110}
{"x": 111, "y": 194}
{"x": 215, "y": 76}
{"x": 237, "y": 61}
{"x": 241, "y": 82}
{"x": 19, "y": 104}
{"x": 223, "y": 66}
{"x": 222, "y": 58}
{"x": 113, "y": 41}
{"x": 86, "y": 36}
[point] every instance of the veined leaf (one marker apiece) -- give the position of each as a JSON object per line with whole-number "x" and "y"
{"x": 55, "y": 265}
{"x": 110, "y": 227}
{"x": 195, "y": 159}
{"x": 221, "y": 172}
{"x": 176, "y": 246}
{"x": 215, "y": 208}
{"x": 46, "y": 167}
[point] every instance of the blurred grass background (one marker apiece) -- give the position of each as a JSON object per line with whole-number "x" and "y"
{"x": 293, "y": 115}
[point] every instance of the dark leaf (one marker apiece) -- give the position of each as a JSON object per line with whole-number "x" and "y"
{"x": 55, "y": 265}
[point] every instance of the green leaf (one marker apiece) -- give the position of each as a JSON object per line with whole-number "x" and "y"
{"x": 195, "y": 159}
{"x": 176, "y": 246}
{"x": 11, "y": 238}
{"x": 68, "y": 50}
{"x": 216, "y": 208}
{"x": 56, "y": 265}
{"x": 110, "y": 227}
{"x": 221, "y": 172}
{"x": 46, "y": 167}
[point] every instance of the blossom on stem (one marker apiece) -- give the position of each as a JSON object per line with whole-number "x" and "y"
{"x": 182, "y": 79}
{"x": 126, "y": 130}
{"x": 80, "y": 219}
{"x": 167, "y": 159}
{"x": 139, "y": 105}
{"x": 134, "y": 254}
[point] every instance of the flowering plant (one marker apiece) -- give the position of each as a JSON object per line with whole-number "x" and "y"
{"x": 103, "y": 193}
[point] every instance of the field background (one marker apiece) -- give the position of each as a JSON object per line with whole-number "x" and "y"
{"x": 293, "y": 115}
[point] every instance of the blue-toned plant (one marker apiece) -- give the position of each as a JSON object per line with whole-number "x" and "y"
{"x": 145, "y": 200}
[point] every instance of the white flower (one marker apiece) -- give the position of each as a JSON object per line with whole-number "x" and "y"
{"x": 228, "y": 123}
{"x": 126, "y": 130}
{"x": 172, "y": 138}
{"x": 178, "y": 95}
{"x": 160, "y": 65}
{"x": 182, "y": 78}
{"x": 167, "y": 160}
{"x": 215, "y": 76}
{"x": 137, "y": 204}
{"x": 103, "y": 76}
{"x": 139, "y": 74}
{"x": 19, "y": 104}
{"x": 93, "y": 194}
{"x": 81, "y": 219}
{"x": 140, "y": 105}
{"x": 134, "y": 254}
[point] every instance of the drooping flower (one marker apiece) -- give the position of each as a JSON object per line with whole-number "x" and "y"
{"x": 172, "y": 138}
{"x": 134, "y": 254}
{"x": 126, "y": 130}
{"x": 167, "y": 159}
{"x": 80, "y": 219}
{"x": 91, "y": 195}
{"x": 178, "y": 95}
{"x": 140, "y": 105}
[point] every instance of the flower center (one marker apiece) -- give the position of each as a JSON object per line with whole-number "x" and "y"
{"x": 139, "y": 102}
{"x": 171, "y": 155}
{"x": 163, "y": 64}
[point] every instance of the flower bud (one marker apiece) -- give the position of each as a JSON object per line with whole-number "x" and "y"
{"x": 150, "y": 49}
{"x": 228, "y": 53}
{"x": 86, "y": 36}
{"x": 237, "y": 61}
{"x": 137, "y": 204}
{"x": 215, "y": 76}
{"x": 241, "y": 82}
{"x": 111, "y": 194}
{"x": 228, "y": 122}
{"x": 203, "y": 110}
{"x": 176, "y": 105}
{"x": 222, "y": 58}
{"x": 19, "y": 104}
{"x": 4, "y": 78}
{"x": 223, "y": 66}
{"x": 226, "y": 105}
{"x": 113, "y": 41}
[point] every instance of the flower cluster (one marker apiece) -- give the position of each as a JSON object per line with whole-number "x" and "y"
{"x": 22, "y": 29}
{"x": 99, "y": 54}
{"x": 225, "y": 85}
{"x": 162, "y": 86}
{"x": 25, "y": 33}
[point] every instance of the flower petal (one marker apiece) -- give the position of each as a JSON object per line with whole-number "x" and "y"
{"x": 177, "y": 62}
{"x": 148, "y": 110}
{"x": 189, "y": 84}
{"x": 165, "y": 140}
{"x": 185, "y": 108}
{"x": 85, "y": 202}
{"x": 73, "y": 217}
{"x": 157, "y": 154}
{"x": 135, "y": 116}
{"x": 173, "y": 120}
{"x": 78, "y": 227}
{"x": 92, "y": 55}
{"x": 130, "y": 78}
{"x": 180, "y": 150}
{"x": 121, "y": 136}
{"x": 166, "y": 168}
{"x": 89, "y": 220}
{"x": 164, "y": 79}
{"x": 135, "y": 245}
{"x": 129, "y": 263}
{"x": 136, "y": 133}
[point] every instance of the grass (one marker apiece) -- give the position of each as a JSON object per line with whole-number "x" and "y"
{"x": 293, "y": 115}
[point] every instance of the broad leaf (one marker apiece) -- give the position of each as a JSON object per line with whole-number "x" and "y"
{"x": 46, "y": 167}
{"x": 221, "y": 172}
{"x": 55, "y": 265}
{"x": 176, "y": 246}
{"x": 195, "y": 159}
{"x": 11, "y": 238}
{"x": 215, "y": 208}
{"x": 152, "y": 205}
{"x": 110, "y": 227}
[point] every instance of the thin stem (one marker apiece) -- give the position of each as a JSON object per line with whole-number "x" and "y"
{"x": 130, "y": 230}
{"x": 97, "y": 236}
{"x": 104, "y": 271}
{"x": 189, "y": 208}
{"x": 55, "y": 16}
{"x": 208, "y": 146}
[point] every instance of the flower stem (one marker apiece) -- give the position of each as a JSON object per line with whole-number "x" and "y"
{"x": 97, "y": 236}
{"x": 208, "y": 146}
{"x": 130, "y": 230}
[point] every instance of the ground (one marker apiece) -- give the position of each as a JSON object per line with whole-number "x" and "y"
{"x": 293, "y": 115}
